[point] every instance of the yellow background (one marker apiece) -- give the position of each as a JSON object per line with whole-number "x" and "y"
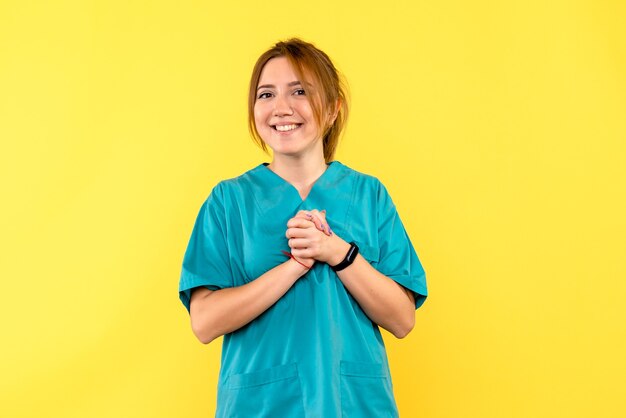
{"x": 498, "y": 127}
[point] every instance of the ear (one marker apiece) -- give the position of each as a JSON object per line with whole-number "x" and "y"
{"x": 334, "y": 113}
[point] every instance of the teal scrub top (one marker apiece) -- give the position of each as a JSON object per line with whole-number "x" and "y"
{"x": 314, "y": 353}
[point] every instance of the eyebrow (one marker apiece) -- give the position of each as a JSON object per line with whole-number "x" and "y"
{"x": 271, "y": 86}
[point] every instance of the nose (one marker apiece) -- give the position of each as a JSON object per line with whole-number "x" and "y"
{"x": 282, "y": 106}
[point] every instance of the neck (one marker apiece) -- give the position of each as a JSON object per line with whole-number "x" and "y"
{"x": 300, "y": 172}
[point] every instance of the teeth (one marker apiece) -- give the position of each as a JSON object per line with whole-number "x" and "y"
{"x": 285, "y": 128}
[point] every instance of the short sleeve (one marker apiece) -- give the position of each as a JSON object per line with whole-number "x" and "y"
{"x": 206, "y": 261}
{"x": 398, "y": 259}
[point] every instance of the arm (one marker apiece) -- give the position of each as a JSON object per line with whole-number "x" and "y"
{"x": 384, "y": 301}
{"x": 218, "y": 312}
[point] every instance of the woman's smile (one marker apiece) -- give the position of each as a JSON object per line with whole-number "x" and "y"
{"x": 286, "y": 128}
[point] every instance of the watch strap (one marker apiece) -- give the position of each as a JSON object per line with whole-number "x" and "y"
{"x": 349, "y": 258}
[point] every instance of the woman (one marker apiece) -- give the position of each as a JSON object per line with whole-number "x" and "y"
{"x": 299, "y": 303}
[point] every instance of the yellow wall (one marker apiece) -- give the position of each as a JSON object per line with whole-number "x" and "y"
{"x": 498, "y": 127}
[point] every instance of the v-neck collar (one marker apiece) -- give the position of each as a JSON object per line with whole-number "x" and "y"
{"x": 274, "y": 179}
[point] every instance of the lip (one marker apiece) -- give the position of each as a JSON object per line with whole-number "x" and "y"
{"x": 285, "y": 124}
{"x": 273, "y": 126}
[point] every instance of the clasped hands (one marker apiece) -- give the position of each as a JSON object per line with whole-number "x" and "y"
{"x": 311, "y": 239}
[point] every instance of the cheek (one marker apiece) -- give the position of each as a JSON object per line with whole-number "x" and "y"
{"x": 306, "y": 111}
{"x": 312, "y": 126}
{"x": 262, "y": 129}
{"x": 260, "y": 122}
{"x": 260, "y": 116}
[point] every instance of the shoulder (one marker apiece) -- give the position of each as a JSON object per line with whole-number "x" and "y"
{"x": 232, "y": 187}
{"x": 363, "y": 181}
{"x": 371, "y": 189}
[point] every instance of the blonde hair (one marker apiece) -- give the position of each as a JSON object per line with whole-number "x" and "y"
{"x": 329, "y": 90}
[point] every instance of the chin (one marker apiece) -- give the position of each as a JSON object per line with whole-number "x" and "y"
{"x": 287, "y": 152}
{"x": 293, "y": 148}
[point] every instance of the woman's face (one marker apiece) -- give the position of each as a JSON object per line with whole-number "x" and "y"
{"x": 282, "y": 112}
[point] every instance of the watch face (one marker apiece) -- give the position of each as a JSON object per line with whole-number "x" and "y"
{"x": 352, "y": 253}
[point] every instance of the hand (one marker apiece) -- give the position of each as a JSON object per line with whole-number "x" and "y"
{"x": 307, "y": 241}
{"x": 307, "y": 261}
{"x": 318, "y": 218}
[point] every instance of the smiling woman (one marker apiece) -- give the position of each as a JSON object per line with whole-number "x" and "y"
{"x": 301, "y": 332}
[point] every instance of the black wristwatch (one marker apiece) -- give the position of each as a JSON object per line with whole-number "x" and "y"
{"x": 350, "y": 257}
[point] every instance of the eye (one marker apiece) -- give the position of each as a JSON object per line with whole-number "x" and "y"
{"x": 299, "y": 92}
{"x": 264, "y": 95}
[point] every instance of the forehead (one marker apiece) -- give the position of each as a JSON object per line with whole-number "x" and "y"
{"x": 280, "y": 71}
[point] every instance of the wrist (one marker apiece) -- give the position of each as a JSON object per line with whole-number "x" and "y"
{"x": 351, "y": 255}
{"x": 340, "y": 249}
{"x": 298, "y": 267}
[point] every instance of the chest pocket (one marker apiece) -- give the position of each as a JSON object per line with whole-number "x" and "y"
{"x": 268, "y": 393}
{"x": 366, "y": 391}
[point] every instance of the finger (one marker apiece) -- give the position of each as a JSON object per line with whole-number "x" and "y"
{"x": 307, "y": 217}
{"x": 302, "y": 253}
{"x": 299, "y": 243}
{"x": 326, "y": 224}
{"x": 304, "y": 214}
{"x": 299, "y": 223}
{"x": 323, "y": 224}
{"x": 316, "y": 219}
{"x": 326, "y": 229}
{"x": 298, "y": 233}
{"x": 319, "y": 224}
{"x": 309, "y": 214}
{"x": 319, "y": 213}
